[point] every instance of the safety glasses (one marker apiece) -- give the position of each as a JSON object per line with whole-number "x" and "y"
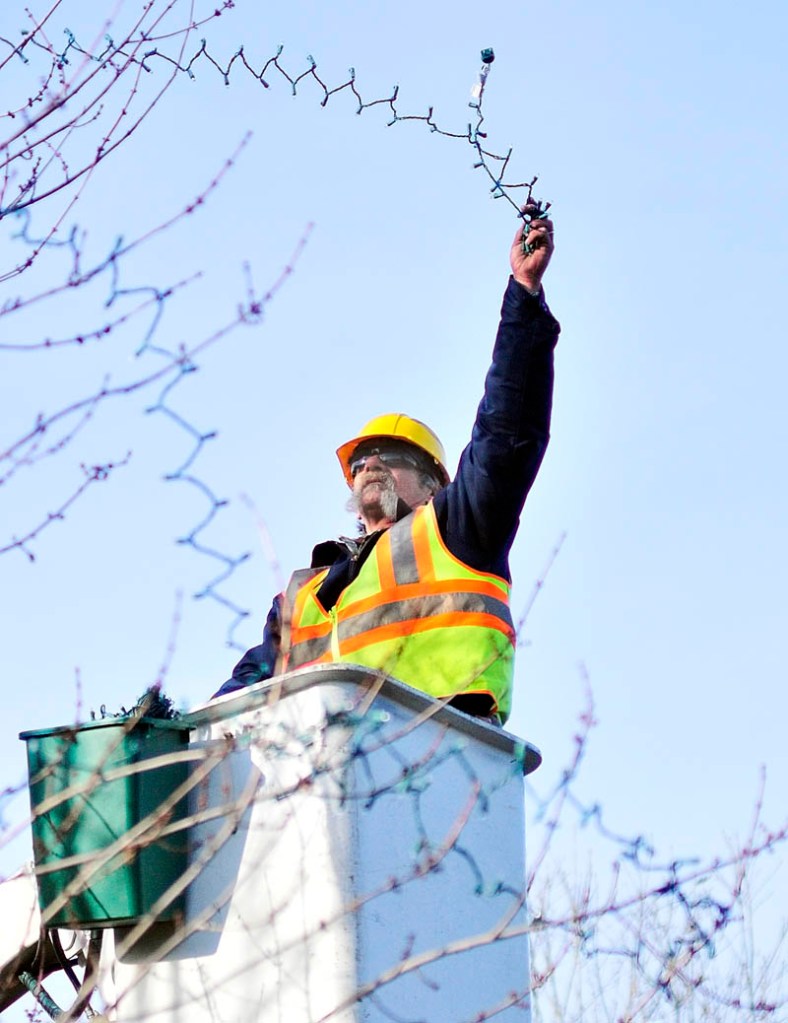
{"x": 392, "y": 459}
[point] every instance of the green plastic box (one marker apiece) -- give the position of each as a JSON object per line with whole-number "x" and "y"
{"x": 106, "y": 840}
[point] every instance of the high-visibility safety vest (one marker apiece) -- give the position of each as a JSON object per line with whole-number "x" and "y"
{"x": 415, "y": 612}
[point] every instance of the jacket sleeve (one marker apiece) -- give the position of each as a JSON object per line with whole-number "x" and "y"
{"x": 479, "y": 512}
{"x": 258, "y": 663}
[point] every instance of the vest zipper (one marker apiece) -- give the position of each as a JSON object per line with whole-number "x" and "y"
{"x": 334, "y": 634}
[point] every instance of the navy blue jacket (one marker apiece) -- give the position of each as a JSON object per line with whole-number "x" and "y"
{"x": 479, "y": 511}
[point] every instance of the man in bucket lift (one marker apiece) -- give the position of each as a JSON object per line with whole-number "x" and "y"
{"x": 423, "y": 593}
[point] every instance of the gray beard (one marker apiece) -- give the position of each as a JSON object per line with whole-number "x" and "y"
{"x": 382, "y": 503}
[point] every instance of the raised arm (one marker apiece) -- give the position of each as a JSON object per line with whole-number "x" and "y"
{"x": 479, "y": 512}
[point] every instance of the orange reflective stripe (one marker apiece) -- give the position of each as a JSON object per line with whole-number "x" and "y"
{"x": 297, "y": 591}
{"x": 302, "y": 633}
{"x": 450, "y": 586}
{"x": 385, "y": 560}
{"x": 400, "y": 630}
{"x": 305, "y": 592}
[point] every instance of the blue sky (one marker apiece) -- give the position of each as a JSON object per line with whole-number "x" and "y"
{"x": 657, "y": 133}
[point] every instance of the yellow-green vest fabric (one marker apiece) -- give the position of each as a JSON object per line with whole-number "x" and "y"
{"x": 414, "y": 612}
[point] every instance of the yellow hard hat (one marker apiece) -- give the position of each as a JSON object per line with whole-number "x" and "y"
{"x": 396, "y": 426}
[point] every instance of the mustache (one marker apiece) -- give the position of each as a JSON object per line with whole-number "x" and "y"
{"x": 382, "y": 477}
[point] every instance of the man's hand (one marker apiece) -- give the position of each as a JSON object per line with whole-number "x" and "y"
{"x": 528, "y": 267}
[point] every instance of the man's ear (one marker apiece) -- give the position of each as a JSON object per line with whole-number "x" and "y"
{"x": 435, "y": 486}
{"x": 429, "y": 482}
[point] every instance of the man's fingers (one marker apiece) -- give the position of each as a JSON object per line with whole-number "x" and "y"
{"x": 541, "y": 235}
{"x": 543, "y": 226}
{"x": 545, "y": 223}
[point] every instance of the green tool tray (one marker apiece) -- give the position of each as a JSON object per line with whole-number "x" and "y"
{"x": 106, "y": 799}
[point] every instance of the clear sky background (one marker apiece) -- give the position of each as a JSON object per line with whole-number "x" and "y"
{"x": 658, "y": 132}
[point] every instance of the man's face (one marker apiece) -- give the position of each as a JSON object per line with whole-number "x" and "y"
{"x": 382, "y": 473}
